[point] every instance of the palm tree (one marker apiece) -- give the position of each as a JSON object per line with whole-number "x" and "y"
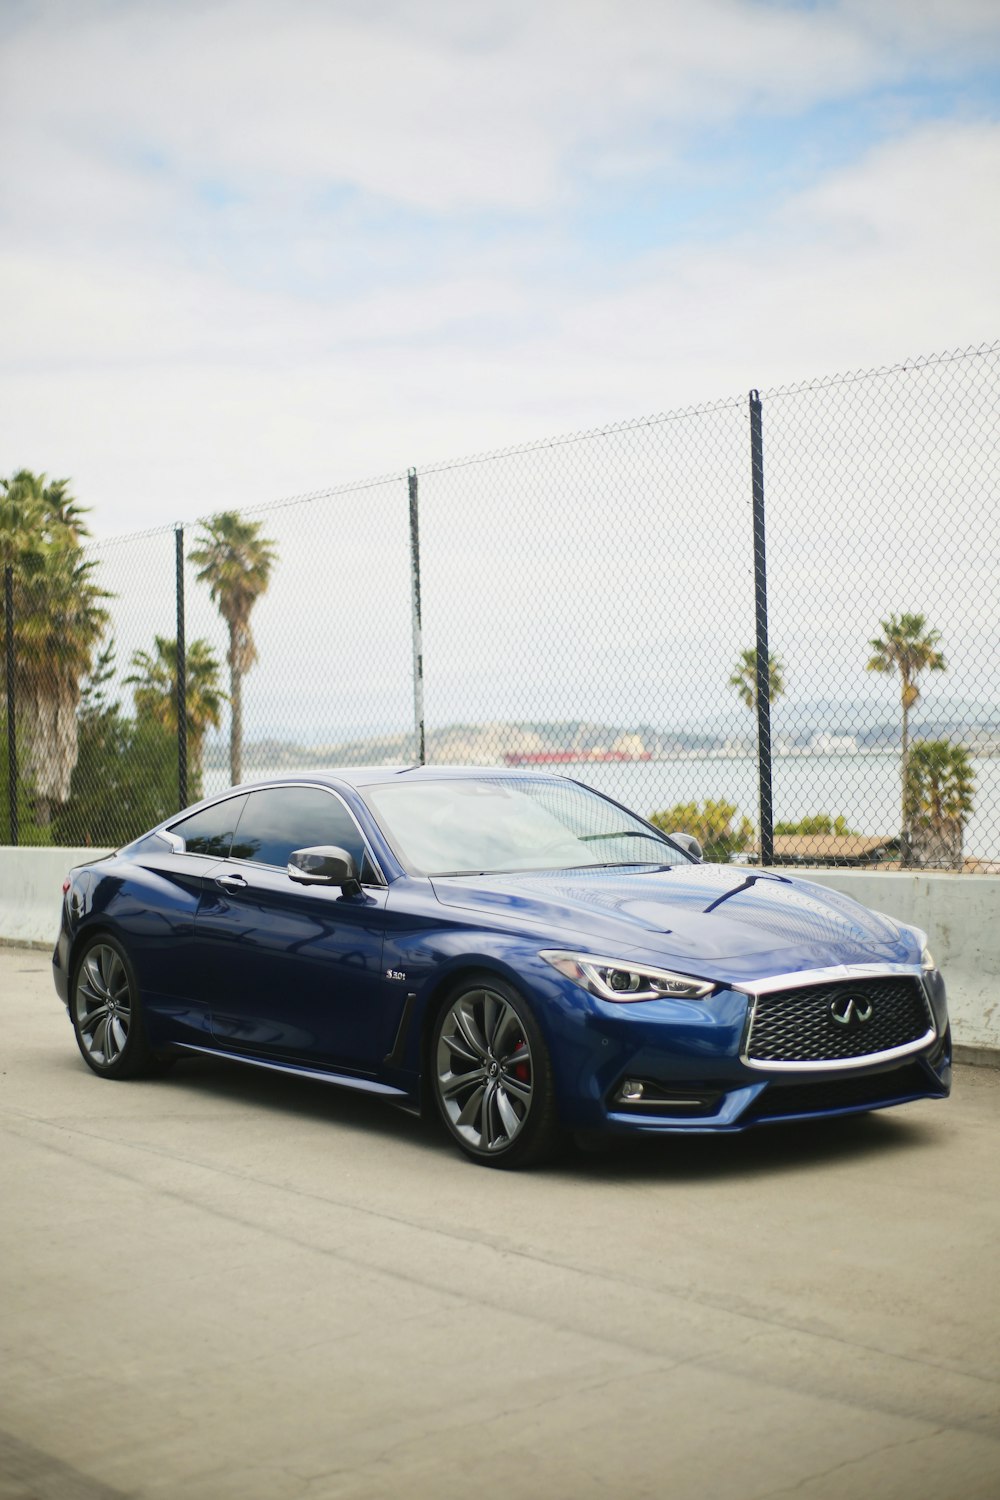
{"x": 154, "y": 681}
{"x": 58, "y": 621}
{"x": 906, "y": 646}
{"x": 744, "y": 678}
{"x": 938, "y": 800}
{"x": 236, "y": 562}
{"x": 36, "y": 514}
{"x": 22, "y": 523}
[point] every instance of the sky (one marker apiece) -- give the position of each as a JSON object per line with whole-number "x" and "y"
{"x": 249, "y": 250}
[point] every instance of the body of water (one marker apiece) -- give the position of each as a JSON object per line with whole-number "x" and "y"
{"x": 864, "y": 789}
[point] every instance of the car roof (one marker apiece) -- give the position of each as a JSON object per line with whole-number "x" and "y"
{"x": 361, "y": 776}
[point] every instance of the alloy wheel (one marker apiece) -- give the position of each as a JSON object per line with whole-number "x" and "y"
{"x": 103, "y": 1006}
{"x": 484, "y": 1071}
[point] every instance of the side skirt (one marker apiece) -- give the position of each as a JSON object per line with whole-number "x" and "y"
{"x": 340, "y": 1080}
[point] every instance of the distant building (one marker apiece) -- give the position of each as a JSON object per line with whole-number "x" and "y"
{"x": 833, "y": 744}
{"x": 830, "y": 849}
{"x": 630, "y": 747}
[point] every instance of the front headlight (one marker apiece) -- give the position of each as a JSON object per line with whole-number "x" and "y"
{"x": 926, "y": 956}
{"x": 614, "y": 979}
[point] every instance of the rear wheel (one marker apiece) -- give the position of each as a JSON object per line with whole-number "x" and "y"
{"x": 106, "y": 1012}
{"x": 491, "y": 1075}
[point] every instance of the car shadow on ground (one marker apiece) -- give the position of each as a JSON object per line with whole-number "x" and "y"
{"x": 764, "y": 1151}
{"x": 260, "y": 1088}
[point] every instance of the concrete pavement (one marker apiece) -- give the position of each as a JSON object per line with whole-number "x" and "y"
{"x": 224, "y": 1285}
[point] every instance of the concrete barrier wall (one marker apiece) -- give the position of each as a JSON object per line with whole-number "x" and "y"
{"x": 961, "y": 916}
{"x": 959, "y": 913}
{"x": 31, "y": 891}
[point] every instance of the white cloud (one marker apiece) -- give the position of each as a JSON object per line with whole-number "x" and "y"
{"x": 419, "y": 105}
{"x": 173, "y": 356}
{"x": 892, "y": 256}
{"x": 162, "y": 396}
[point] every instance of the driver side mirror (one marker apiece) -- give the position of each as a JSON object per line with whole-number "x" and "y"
{"x": 688, "y": 843}
{"x": 325, "y": 864}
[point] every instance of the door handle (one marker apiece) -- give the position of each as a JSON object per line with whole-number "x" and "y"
{"x": 231, "y": 882}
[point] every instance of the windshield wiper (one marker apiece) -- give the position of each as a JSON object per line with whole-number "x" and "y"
{"x": 622, "y": 864}
{"x": 607, "y": 864}
{"x": 624, "y": 833}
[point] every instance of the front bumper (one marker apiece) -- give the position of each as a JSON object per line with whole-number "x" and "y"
{"x": 924, "y": 1076}
{"x": 691, "y": 1059}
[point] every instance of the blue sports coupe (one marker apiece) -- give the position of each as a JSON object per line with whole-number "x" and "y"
{"x": 513, "y": 951}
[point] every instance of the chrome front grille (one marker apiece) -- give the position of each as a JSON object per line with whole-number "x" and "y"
{"x": 800, "y": 1027}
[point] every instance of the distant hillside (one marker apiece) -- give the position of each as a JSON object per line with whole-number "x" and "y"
{"x": 468, "y": 744}
{"x": 489, "y": 743}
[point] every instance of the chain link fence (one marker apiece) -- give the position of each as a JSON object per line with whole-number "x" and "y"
{"x": 771, "y": 621}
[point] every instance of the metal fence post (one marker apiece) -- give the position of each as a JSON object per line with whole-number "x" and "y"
{"x": 182, "y": 763}
{"x": 763, "y": 660}
{"x": 8, "y": 612}
{"x": 418, "y": 628}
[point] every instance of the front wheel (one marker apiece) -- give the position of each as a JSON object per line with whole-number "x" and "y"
{"x": 107, "y": 1018}
{"x": 492, "y": 1077}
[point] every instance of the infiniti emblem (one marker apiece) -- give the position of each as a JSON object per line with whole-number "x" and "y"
{"x": 851, "y": 1010}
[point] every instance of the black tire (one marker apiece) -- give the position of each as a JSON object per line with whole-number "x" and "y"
{"x": 107, "y": 1013}
{"x": 491, "y": 1075}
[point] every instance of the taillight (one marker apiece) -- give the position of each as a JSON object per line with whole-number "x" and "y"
{"x": 66, "y": 884}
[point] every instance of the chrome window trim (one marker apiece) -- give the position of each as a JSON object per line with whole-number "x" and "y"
{"x": 836, "y": 974}
{"x": 258, "y": 864}
{"x": 168, "y": 833}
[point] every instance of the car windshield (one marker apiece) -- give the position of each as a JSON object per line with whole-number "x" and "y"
{"x": 493, "y": 824}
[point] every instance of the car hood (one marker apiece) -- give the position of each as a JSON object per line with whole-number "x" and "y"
{"x": 719, "y": 921}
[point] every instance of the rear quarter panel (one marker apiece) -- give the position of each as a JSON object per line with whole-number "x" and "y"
{"x": 149, "y": 904}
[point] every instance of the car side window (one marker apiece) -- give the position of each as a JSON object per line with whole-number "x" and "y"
{"x": 283, "y": 818}
{"x": 211, "y": 830}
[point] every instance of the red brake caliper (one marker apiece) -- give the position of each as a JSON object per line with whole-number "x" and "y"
{"x": 521, "y": 1070}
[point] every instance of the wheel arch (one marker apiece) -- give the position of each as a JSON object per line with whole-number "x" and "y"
{"x": 537, "y": 1125}
{"x": 99, "y": 927}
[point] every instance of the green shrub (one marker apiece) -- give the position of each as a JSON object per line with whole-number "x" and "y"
{"x": 817, "y": 823}
{"x": 714, "y": 824}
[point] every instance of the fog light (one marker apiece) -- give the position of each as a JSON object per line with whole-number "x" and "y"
{"x": 631, "y": 1091}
